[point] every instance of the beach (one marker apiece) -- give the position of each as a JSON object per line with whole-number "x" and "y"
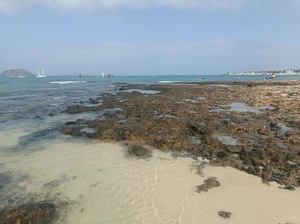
{"x": 147, "y": 151}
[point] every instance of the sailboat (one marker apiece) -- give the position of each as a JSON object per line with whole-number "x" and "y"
{"x": 21, "y": 76}
{"x": 102, "y": 74}
{"x": 41, "y": 76}
{"x": 9, "y": 72}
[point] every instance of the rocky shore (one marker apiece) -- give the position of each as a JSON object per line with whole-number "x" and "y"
{"x": 251, "y": 126}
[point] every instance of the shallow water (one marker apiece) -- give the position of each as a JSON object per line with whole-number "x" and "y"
{"x": 102, "y": 185}
{"x": 226, "y": 140}
{"x": 242, "y": 107}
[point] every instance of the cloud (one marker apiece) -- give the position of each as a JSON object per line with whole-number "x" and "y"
{"x": 15, "y": 6}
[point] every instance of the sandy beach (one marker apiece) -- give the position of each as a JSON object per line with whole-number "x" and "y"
{"x": 101, "y": 185}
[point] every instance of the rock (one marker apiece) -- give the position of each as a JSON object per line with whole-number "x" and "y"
{"x": 93, "y": 101}
{"x": 224, "y": 214}
{"x": 29, "y": 213}
{"x": 274, "y": 126}
{"x": 209, "y": 183}
{"x": 291, "y": 188}
{"x": 139, "y": 151}
{"x": 171, "y": 119}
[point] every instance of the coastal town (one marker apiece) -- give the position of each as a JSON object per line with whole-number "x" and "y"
{"x": 276, "y": 72}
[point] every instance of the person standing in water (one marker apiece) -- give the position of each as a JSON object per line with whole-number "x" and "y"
{"x": 273, "y": 76}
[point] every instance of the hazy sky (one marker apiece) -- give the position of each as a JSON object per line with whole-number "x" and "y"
{"x": 149, "y": 37}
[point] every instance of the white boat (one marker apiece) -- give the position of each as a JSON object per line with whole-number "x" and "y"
{"x": 41, "y": 75}
{"x": 102, "y": 74}
{"x": 9, "y": 73}
{"x": 21, "y": 76}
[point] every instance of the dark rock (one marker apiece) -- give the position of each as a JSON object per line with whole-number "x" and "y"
{"x": 209, "y": 183}
{"x": 70, "y": 123}
{"x": 274, "y": 126}
{"x": 291, "y": 188}
{"x": 224, "y": 214}
{"x": 29, "y": 213}
{"x": 139, "y": 151}
{"x": 93, "y": 101}
{"x": 171, "y": 119}
{"x": 221, "y": 154}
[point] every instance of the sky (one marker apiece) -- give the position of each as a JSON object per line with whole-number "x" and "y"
{"x": 149, "y": 37}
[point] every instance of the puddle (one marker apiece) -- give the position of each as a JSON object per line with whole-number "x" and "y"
{"x": 282, "y": 145}
{"x": 142, "y": 91}
{"x": 226, "y": 140}
{"x": 92, "y": 104}
{"x": 218, "y": 85}
{"x": 242, "y": 107}
{"x": 168, "y": 116}
{"x": 284, "y": 129}
{"x": 196, "y": 141}
{"x": 266, "y": 108}
{"x": 122, "y": 121}
{"x": 215, "y": 110}
{"x": 88, "y": 130}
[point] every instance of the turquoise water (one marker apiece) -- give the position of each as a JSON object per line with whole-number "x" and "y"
{"x": 28, "y": 97}
{"x": 40, "y": 102}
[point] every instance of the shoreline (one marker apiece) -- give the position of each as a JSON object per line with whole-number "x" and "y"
{"x": 97, "y": 183}
{"x": 193, "y": 118}
{"x": 229, "y": 149}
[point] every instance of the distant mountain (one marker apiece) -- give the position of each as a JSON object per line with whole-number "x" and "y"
{"x": 16, "y": 73}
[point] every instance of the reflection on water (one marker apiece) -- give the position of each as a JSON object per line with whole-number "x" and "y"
{"x": 242, "y": 107}
{"x": 226, "y": 140}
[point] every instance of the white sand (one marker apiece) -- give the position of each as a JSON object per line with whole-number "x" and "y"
{"x": 109, "y": 188}
{"x": 9, "y": 138}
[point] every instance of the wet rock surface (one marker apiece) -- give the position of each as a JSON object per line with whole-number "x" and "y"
{"x": 29, "y": 213}
{"x": 209, "y": 183}
{"x": 19, "y": 206}
{"x": 138, "y": 151}
{"x": 261, "y": 138}
{"x": 224, "y": 214}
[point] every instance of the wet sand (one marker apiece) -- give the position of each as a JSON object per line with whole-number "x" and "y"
{"x": 103, "y": 185}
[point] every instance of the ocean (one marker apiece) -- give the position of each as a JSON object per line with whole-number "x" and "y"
{"x": 34, "y": 99}
{"x": 95, "y": 180}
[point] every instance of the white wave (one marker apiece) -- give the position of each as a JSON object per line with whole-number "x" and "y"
{"x": 67, "y": 82}
{"x": 168, "y": 81}
{"x": 11, "y": 111}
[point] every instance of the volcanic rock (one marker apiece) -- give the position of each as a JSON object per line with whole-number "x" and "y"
{"x": 43, "y": 212}
{"x": 224, "y": 214}
{"x": 209, "y": 183}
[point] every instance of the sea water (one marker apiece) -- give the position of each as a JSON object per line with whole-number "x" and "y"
{"x": 96, "y": 181}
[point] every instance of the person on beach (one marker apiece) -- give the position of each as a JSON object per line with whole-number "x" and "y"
{"x": 273, "y": 76}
